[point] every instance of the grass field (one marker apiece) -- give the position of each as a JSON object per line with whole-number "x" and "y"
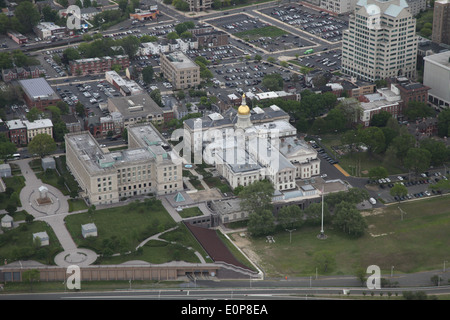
{"x": 128, "y": 225}
{"x": 418, "y": 243}
{"x": 268, "y": 31}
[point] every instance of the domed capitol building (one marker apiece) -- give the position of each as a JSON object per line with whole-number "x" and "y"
{"x": 251, "y": 144}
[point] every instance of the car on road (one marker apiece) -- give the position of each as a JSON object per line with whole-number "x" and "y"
{"x": 372, "y": 201}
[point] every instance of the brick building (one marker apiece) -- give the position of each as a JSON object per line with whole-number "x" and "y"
{"x": 22, "y": 73}
{"x": 38, "y": 93}
{"x": 17, "y": 132}
{"x": 97, "y": 65}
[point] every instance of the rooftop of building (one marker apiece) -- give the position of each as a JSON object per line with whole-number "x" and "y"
{"x": 180, "y": 60}
{"x": 96, "y": 159}
{"x": 387, "y": 7}
{"x": 38, "y": 88}
{"x": 140, "y": 104}
{"x": 442, "y": 59}
{"x": 38, "y": 124}
{"x": 229, "y": 117}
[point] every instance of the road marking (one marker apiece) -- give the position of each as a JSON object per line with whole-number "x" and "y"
{"x": 341, "y": 170}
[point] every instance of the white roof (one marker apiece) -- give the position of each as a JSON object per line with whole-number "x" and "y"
{"x": 38, "y": 124}
{"x": 15, "y": 124}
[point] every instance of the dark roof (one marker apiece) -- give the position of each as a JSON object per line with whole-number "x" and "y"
{"x": 230, "y": 118}
{"x": 214, "y": 246}
{"x": 69, "y": 118}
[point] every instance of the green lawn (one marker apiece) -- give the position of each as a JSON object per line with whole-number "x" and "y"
{"x": 197, "y": 184}
{"x": 215, "y": 182}
{"x": 418, "y": 243}
{"x": 358, "y": 163}
{"x": 15, "y": 184}
{"x": 121, "y": 229}
{"x": 190, "y": 212}
{"x": 77, "y": 205}
{"x": 267, "y": 31}
{"x": 17, "y": 244}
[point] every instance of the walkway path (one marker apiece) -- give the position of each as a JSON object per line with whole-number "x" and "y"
{"x": 53, "y": 214}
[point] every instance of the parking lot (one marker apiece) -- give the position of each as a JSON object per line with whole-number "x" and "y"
{"x": 417, "y": 187}
{"x": 244, "y": 76}
{"x": 329, "y": 60}
{"x": 216, "y": 54}
{"x": 320, "y": 24}
{"x": 260, "y": 33}
{"x": 89, "y": 93}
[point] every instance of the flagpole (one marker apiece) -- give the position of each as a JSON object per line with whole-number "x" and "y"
{"x": 322, "y": 234}
{"x": 321, "y": 230}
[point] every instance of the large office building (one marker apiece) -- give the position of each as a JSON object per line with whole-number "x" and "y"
{"x": 381, "y": 41}
{"x": 147, "y": 166}
{"x": 137, "y": 109}
{"x": 441, "y": 22}
{"x": 436, "y": 75}
{"x": 338, "y": 6}
{"x": 180, "y": 70}
{"x": 199, "y": 5}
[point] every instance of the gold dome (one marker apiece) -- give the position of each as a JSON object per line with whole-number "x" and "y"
{"x": 243, "y": 109}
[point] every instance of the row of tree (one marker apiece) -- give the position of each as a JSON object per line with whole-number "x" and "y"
{"x": 339, "y": 209}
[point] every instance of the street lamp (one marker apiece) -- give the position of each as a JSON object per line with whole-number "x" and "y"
{"x": 290, "y": 234}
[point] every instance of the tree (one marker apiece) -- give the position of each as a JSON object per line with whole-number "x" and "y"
{"x": 290, "y": 217}
{"x": 156, "y": 96}
{"x": 147, "y": 74}
{"x": 31, "y": 276}
{"x": 130, "y": 45}
{"x": 10, "y": 208}
{"x": 417, "y": 160}
{"x": 257, "y": 196}
{"x": 34, "y": 114}
{"x": 440, "y": 153}
{"x": 91, "y": 210}
{"x": 349, "y": 219}
{"x": 273, "y": 82}
{"x": 27, "y": 15}
{"x": 6, "y": 147}
{"x": 444, "y": 123}
{"x": 80, "y": 110}
{"x": 313, "y": 214}
{"x": 398, "y": 190}
{"x": 42, "y": 144}
{"x": 402, "y": 143}
{"x": 172, "y": 35}
{"x": 373, "y": 138}
{"x": 380, "y": 119}
{"x": 261, "y": 223}
{"x": 441, "y": 186}
{"x": 324, "y": 260}
{"x": 378, "y": 173}
{"x": 417, "y": 109}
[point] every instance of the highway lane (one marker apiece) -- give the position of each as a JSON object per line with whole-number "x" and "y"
{"x": 235, "y": 294}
